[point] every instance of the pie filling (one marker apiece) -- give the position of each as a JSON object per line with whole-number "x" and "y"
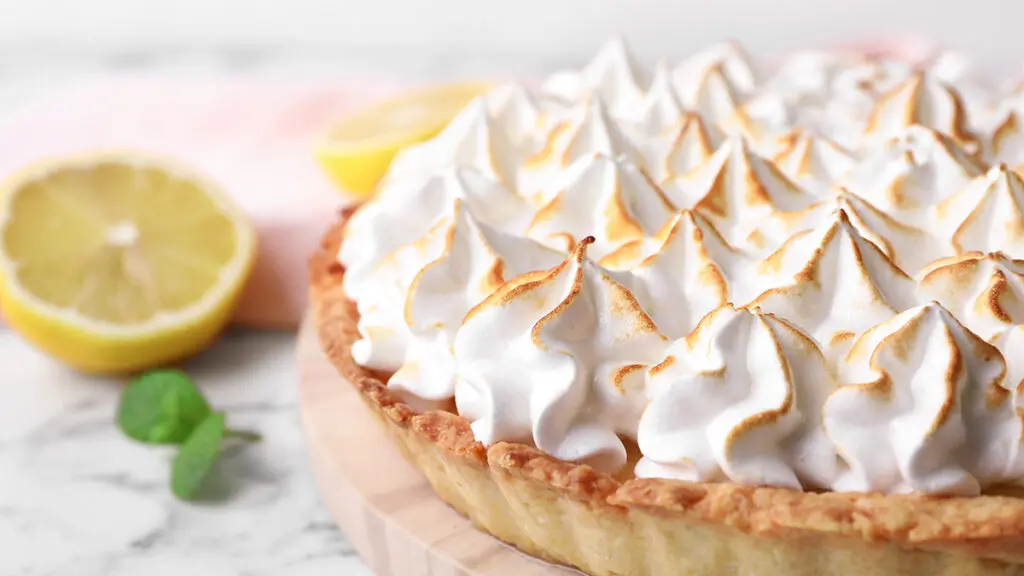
{"x": 802, "y": 276}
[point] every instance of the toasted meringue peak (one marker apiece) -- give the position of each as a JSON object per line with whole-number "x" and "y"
{"x": 589, "y": 131}
{"x": 976, "y": 90}
{"x": 833, "y": 283}
{"x": 609, "y": 199}
{"x": 909, "y": 247}
{"x": 987, "y": 215}
{"x": 556, "y": 359}
{"x": 384, "y": 335}
{"x": 921, "y": 99}
{"x": 515, "y": 110}
{"x": 614, "y": 74}
{"x": 1004, "y": 142}
{"x": 715, "y": 83}
{"x": 985, "y": 291}
{"x": 682, "y": 273}
{"x": 924, "y": 408}
{"x": 915, "y": 170}
{"x": 722, "y": 70}
{"x": 736, "y": 188}
{"x": 661, "y": 109}
{"x": 407, "y": 209}
{"x": 473, "y": 139}
{"x": 813, "y": 161}
{"x": 681, "y": 149}
{"x": 475, "y": 261}
{"x": 1010, "y": 342}
{"x": 739, "y": 401}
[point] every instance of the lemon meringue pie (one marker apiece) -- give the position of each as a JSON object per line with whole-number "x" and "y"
{"x": 711, "y": 318}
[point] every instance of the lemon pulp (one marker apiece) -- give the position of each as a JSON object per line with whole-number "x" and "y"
{"x": 118, "y": 263}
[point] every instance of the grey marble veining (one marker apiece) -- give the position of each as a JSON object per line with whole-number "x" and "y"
{"x": 78, "y": 498}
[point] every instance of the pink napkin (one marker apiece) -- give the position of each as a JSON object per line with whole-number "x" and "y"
{"x": 253, "y": 138}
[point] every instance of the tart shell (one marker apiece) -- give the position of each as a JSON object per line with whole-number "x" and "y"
{"x": 573, "y": 515}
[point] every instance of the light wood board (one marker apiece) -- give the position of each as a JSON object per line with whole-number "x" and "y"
{"x": 382, "y": 504}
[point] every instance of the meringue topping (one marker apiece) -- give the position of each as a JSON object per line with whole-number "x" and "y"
{"x": 984, "y": 291}
{"x": 557, "y": 359}
{"x": 716, "y": 81}
{"x": 474, "y": 262}
{"x": 813, "y": 161}
{"x": 681, "y": 274}
{"x": 839, "y": 284}
{"x": 915, "y": 170}
{"x": 408, "y": 208}
{"x": 835, "y": 225}
{"x": 590, "y": 130}
{"x": 736, "y": 188}
{"x": 661, "y": 109}
{"x": 925, "y": 407}
{"x": 614, "y": 75}
{"x": 611, "y": 199}
{"x": 987, "y": 214}
{"x": 739, "y": 400}
{"x": 921, "y": 99}
{"x": 680, "y": 150}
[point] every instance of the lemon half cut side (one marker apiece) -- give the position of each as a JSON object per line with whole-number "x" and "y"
{"x": 357, "y": 149}
{"x": 116, "y": 262}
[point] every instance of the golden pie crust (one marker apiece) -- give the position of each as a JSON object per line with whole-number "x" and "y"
{"x": 571, "y": 514}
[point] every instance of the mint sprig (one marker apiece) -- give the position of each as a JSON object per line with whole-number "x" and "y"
{"x": 161, "y": 407}
{"x": 195, "y": 458}
{"x": 165, "y": 407}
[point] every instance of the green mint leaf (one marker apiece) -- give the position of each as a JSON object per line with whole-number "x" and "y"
{"x": 195, "y": 458}
{"x": 161, "y": 407}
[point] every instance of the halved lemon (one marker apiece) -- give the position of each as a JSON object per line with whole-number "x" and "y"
{"x": 357, "y": 149}
{"x": 116, "y": 262}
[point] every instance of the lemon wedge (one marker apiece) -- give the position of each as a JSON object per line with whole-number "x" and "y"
{"x": 357, "y": 150}
{"x": 116, "y": 262}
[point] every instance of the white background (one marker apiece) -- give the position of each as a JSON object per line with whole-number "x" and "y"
{"x": 513, "y": 35}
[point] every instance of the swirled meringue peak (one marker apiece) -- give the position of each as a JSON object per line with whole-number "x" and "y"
{"x": 921, "y": 99}
{"x": 813, "y": 161}
{"x": 661, "y": 109}
{"x": 614, "y": 75}
{"x": 589, "y": 130}
{"x": 987, "y": 215}
{"x": 716, "y": 81}
{"x": 736, "y": 189}
{"x": 984, "y": 291}
{"x": 678, "y": 151}
{"x": 682, "y": 273}
{"x": 557, "y": 359}
{"x": 407, "y": 209}
{"x": 834, "y": 284}
{"x": 475, "y": 260}
{"x": 912, "y": 172}
{"x": 611, "y": 199}
{"x": 739, "y": 400}
{"x": 925, "y": 407}
{"x": 473, "y": 139}
{"x": 829, "y": 229}
{"x": 909, "y": 247}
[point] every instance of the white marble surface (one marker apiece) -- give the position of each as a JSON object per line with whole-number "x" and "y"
{"x": 78, "y": 498}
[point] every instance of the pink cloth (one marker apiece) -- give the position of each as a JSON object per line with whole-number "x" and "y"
{"x": 253, "y": 138}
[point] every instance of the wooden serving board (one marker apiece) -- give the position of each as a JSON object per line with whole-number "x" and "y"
{"x": 384, "y": 506}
